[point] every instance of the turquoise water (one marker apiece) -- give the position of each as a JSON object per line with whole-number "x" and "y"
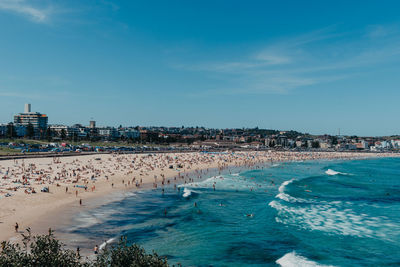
{"x": 291, "y": 214}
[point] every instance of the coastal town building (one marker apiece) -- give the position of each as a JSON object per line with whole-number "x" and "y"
{"x": 20, "y": 130}
{"x": 57, "y": 129}
{"x": 79, "y": 130}
{"x": 194, "y": 137}
{"x": 129, "y": 133}
{"x": 324, "y": 145}
{"x": 108, "y": 132}
{"x": 36, "y": 119}
{"x": 3, "y": 129}
{"x": 395, "y": 144}
{"x": 92, "y": 124}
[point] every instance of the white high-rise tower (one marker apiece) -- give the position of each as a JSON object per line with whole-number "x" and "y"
{"x": 27, "y": 108}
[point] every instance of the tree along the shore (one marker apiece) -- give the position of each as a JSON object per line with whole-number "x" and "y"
{"x": 46, "y": 251}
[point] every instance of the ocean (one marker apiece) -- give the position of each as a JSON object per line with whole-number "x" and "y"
{"x": 313, "y": 213}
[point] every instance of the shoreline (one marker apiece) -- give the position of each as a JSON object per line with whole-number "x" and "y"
{"x": 41, "y": 210}
{"x": 64, "y": 218}
{"x": 27, "y": 210}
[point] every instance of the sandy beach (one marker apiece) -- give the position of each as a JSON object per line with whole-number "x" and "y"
{"x": 73, "y": 180}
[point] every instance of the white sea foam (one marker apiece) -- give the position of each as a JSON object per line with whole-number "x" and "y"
{"x": 85, "y": 220}
{"x": 207, "y": 183}
{"x": 226, "y": 182}
{"x": 91, "y": 218}
{"x": 283, "y": 185}
{"x": 109, "y": 241}
{"x": 331, "y": 219}
{"x": 130, "y": 194}
{"x": 289, "y": 198}
{"x": 293, "y": 259}
{"x": 332, "y": 172}
{"x": 286, "y": 197}
{"x": 186, "y": 192}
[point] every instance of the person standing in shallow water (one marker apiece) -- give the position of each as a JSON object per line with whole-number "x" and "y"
{"x": 16, "y": 227}
{"x": 96, "y": 250}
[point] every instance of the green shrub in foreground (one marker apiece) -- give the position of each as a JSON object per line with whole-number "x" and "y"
{"x": 46, "y": 251}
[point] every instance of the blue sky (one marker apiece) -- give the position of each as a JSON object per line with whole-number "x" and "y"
{"x": 312, "y": 66}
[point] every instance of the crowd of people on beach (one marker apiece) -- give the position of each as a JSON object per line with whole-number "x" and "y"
{"x": 30, "y": 177}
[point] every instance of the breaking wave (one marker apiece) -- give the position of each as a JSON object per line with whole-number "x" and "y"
{"x": 293, "y": 259}
{"x": 187, "y": 192}
{"x": 104, "y": 244}
{"x": 331, "y": 219}
{"x": 332, "y": 172}
{"x": 231, "y": 182}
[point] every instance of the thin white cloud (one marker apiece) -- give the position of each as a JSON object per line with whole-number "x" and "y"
{"x": 273, "y": 58}
{"x": 381, "y": 31}
{"x": 306, "y": 60}
{"x": 25, "y": 8}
